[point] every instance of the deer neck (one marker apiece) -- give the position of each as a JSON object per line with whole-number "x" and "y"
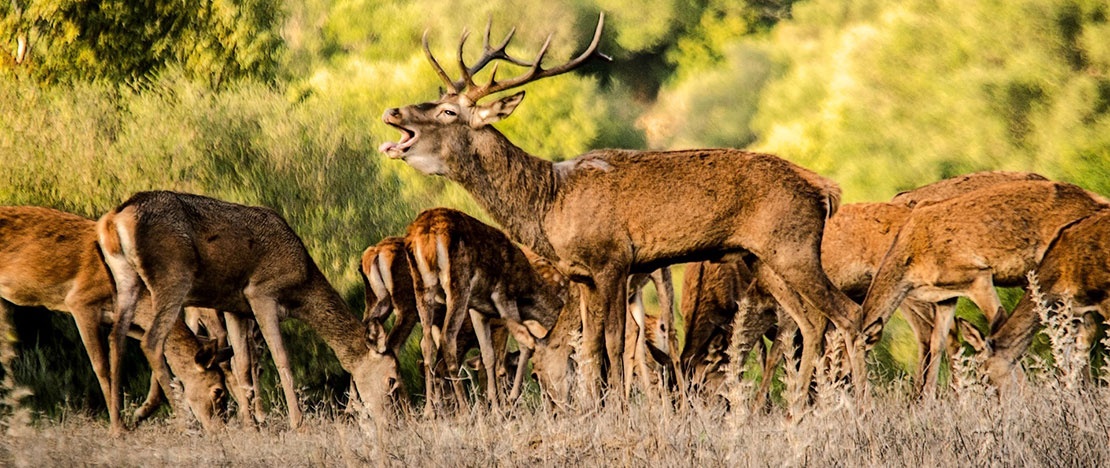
{"x": 515, "y": 188}
{"x": 324, "y": 310}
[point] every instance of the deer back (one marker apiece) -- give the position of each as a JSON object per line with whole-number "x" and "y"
{"x": 948, "y": 188}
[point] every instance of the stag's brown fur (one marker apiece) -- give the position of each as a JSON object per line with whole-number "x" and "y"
{"x": 50, "y": 258}
{"x": 594, "y": 213}
{"x": 966, "y": 245}
{"x": 198, "y": 251}
{"x": 1075, "y": 268}
{"x": 474, "y": 268}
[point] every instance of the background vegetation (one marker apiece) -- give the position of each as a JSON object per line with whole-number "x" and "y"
{"x": 278, "y": 104}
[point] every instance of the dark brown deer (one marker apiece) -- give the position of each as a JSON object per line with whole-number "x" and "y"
{"x": 477, "y": 272}
{"x": 594, "y": 214}
{"x": 966, "y": 245}
{"x": 190, "y": 250}
{"x": 1076, "y": 268}
{"x": 50, "y": 258}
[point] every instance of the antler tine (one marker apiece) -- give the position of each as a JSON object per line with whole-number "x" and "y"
{"x": 536, "y": 70}
{"x": 467, "y": 81}
{"x": 455, "y": 88}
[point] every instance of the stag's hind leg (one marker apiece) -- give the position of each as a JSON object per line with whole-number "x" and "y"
{"x": 266, "y": 312}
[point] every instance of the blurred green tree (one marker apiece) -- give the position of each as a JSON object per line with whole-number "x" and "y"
{"x": 127, "y": 41}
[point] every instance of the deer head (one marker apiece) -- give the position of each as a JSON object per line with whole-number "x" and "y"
{"x": 434, "y": 134}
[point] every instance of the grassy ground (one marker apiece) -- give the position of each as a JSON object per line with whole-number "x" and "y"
{"x": 1044, "y": 426}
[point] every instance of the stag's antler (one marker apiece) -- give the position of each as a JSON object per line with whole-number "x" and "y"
{"x": 474, "y": 92}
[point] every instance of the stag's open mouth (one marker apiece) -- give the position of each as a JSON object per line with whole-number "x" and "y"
{"x": 397, "y": 149}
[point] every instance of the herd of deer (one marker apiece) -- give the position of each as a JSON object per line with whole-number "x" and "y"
{"x": 769, "y": 241}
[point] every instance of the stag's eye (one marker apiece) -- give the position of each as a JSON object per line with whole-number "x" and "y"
{"x": 449, "y": 113}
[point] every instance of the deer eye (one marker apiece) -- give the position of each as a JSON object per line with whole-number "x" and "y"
{"x": 449, "y": 112}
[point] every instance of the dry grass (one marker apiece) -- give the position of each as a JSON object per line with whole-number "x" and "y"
{"x": 1042, "y": 427}
{"x": 1054, "y": 420}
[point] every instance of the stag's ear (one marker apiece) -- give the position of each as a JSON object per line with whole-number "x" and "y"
{"x": 495, "y": 111}
{"x": 379, "y": 339}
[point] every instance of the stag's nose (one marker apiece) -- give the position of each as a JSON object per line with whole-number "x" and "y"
{"x": 391, "y": 114}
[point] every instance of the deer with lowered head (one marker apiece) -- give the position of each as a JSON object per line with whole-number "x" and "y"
{"x": 387, "y": 279}
{"x": 242, "y": 372}
{"x": 1075, "y": 269}
{"x": 477, "y": 273}
{"x": 599, "y": 215}
{"x": 856, "y": 240}
{"x": 50, "y": 258}
{"x": 965, "y": 245}
{"x": 191, "y": 250}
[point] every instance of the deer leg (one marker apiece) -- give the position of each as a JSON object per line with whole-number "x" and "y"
{"x": 458, "y": 296}
{"x": 88, "y": 327}
{"x": 811, "y": 325}
{"x": 166, "y": 302}
{"x": 242, "y": 362}
{"x": 664, "y": 286}
{"x": 489, "y": 361}
{"x": 635, "y": 355}
{"x": 984, "y": 296}
{"x": 521, "y": 368}
{"x": 129, "y": 288}
{"x": 266, "y": 312}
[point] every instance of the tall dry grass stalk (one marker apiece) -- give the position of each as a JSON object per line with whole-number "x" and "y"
{"x": 13, "y": 417}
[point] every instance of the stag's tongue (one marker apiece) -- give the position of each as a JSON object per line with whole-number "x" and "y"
{"x": 387, "y": 146}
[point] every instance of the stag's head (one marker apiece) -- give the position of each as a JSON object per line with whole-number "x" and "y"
{"x": 434, "y": 134}
{"x": 376, "y": 375}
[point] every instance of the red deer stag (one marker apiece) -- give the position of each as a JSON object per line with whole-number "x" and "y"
{"x": 1075, "y": 268}
{"x": 594, "y": 213}
{"x": 190, "y": 250}
{"x": 50, "y": 258}
{"x": 476, "y": 272}
{"x": 966, "y": 245}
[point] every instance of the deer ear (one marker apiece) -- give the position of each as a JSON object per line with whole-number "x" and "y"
{"x": 535, "y": 328}
{"x": 495, "y": 111}
{"x": 971, "y": 334}
{"x": 211, "y": 355}
{"x": 379, "y": 339}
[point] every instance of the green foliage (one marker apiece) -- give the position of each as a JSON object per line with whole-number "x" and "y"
{"x": 118, "y": 40}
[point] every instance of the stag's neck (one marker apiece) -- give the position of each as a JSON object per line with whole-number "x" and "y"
{"x": 324, "y": 310}
{"x": 515, "y": 188}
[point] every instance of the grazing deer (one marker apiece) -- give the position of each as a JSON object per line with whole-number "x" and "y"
{"x": 388, "y": 282}
{"x": 953, "y": 186}
{"x": 967, "y": 244}
{"x": 230, "y": 331}
{"x": 387, "y": 279}
{"x": 855, "y": 242}
{"x": 475, "y": 271}
{"x": 191, "y": 250}
{"x": 1075, "y": 268}
{"x": 594, "y": 213}
{"x": 51, "y": 259}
